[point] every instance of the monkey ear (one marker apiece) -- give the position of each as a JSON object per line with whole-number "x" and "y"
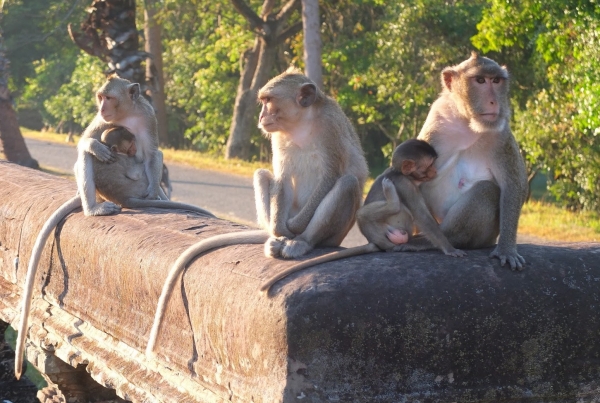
{"x": 448, "y": 74}
{"x": 408, "y": 167}
{"x": 134, "y": 91}
{"x": 307, "y": 95}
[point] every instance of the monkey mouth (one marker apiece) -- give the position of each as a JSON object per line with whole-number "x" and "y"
{"x": 490, "y": 117}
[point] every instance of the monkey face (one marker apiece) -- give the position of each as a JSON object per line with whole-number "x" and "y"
{"x": 132, "y": 149}
{"x": 107, "y": 106}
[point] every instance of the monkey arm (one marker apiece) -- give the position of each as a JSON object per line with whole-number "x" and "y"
{"x": 300, "y": 221}
{"x": 413, "y": 199}
{"x": 95, "y": 148}
{"x": 153, "y": 167}
{"x": 512, "y": 196}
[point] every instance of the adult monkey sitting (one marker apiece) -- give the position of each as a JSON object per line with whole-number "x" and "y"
{"x": 312, "y": 196}
{"x": 481, "y": 181}
{"x": 119, "y": 104}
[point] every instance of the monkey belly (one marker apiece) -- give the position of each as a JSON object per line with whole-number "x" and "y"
{"x": 452, "y": 182}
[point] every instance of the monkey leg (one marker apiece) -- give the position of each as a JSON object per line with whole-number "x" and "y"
{"x": 84, "y": 175}
{"x": 473, "y": 222}
{"x": 332, "y": 220}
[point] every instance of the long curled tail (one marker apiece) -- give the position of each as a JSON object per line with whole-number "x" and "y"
{"x": 235, "y": 238}
{"x": 36, "y": 254}
{"x": 357, "y": 250}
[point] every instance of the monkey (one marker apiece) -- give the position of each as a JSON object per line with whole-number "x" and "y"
{"x": 119, "y": 140}
{"x": 481, "y": 181}
{"x": 119, "y": 104}
{"x": 392, "y": 210}
{"x": 312, "y": 196}
{"x": 319, "y": 169}
{"x": 102, "y": 172}
{"x": 127, "y": 146}
{"x": 113, "y": 184}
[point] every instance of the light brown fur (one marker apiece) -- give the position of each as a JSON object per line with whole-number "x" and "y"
{"x": 482, "y": 182}
{"x": 319, "y": 169}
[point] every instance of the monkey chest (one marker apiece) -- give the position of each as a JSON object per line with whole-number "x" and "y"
{"x": 304, "y": 172}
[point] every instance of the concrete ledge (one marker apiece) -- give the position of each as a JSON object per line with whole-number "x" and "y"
{"x": 376, "y": 328}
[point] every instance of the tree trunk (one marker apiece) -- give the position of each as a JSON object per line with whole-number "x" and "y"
{"x": 12, "y": 144}
{"x": 312, "y": 41}
{"x": 110, "y": 33}
{"x": 271, "y": 29}
{"x": 154, "y": 69}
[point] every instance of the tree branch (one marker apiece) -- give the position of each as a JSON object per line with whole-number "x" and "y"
{"x": 267, "y": 7}
{"x": 256, "y": 23}
{"x": 289, "y": 31}
{"x": 287, "y": 9}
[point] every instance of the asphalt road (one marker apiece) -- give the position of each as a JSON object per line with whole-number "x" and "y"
{"x": 225, "y": 195}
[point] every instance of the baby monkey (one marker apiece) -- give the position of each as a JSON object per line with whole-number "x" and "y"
{"x": 394, "y": 203}
{"x": 119, "y": 140}
{"x": 393, "y": 209}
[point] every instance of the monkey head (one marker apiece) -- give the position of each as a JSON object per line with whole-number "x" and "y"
{"x": 120, "y": 140}
{"x": 479, "y": 89}
{"x": 116, "y": 97}
{"x": 415, "y": 159}
{"x": 287, "y": 100}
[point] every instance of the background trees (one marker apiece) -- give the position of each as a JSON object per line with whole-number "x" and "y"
{"x": 381, "y": 60}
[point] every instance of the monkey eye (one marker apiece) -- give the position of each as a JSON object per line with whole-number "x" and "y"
{"x": 266, "y": 100}
{"x": 480, "y": 80}
{"x": 496, "y": 80}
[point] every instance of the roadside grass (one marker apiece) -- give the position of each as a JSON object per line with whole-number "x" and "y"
{"x": 548, "y": 221}
{"x": 540, "y": 219}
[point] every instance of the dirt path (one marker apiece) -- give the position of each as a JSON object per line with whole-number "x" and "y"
{"x": 227, "y": 196}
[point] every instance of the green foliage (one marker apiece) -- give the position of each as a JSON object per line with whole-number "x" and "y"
{"x": 382, "y": 62}
{"x": 75, "y": 101}
{"x": 202, "y": 70}
{"x": 558, "y": 125}
{"x": 36, "y": 30}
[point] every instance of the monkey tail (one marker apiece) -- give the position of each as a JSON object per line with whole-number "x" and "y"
{"x": 358, "y": 250}
{"x": 139, "y": 203}
{"x": 235, "y": 238}
{"x": 34, "y": 260}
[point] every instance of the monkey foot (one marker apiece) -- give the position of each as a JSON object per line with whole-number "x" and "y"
{"x": 105, "y": 208}
{"x": 295, "y": 248}
{"x": 274, "y": 245}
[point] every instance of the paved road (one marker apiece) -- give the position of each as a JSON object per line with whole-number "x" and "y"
{"x": 227, "y": 196}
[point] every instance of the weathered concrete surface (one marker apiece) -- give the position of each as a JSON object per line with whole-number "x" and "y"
{"x": 376, "y": 328}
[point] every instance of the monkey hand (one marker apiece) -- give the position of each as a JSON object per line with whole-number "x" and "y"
{"x": 101, "y": 152}
{"x": 510, "y": 255}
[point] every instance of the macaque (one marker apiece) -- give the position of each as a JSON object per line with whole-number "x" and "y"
{"x": 120, "y": 141}
{"x": 319, "y": 170}
{"x": 124, "y": 173}
{"x": 312, "y": 196}
{"x": 393, "y": 208}
{"x": 119, "y": 104}
{"x": 481, "y": 181}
